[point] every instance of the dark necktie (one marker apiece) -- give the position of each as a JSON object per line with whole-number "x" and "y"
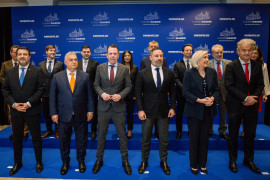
{"x": 158, "y": 79}
{"x": 247, "y": 72}
{"x": 50, "y": 68}
{"x": 22, "y": 76}
{"x": 85, "y": 65}
{"x": 15, "y": 64}
{"x": 219, "y": 74}
{"x": 112, "y": 74}
{"x": 188, "y": 67}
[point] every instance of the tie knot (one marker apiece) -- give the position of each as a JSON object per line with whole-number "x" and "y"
{"x": 50, "y": 62}
{"x": 112, "y": 66}
{"x": 72, "y": 74}
{"x": 157, "y": 69}
{"x": 246, "y": 64}
{"x": 218, "y": 62}
{"x": 22, "y": 68}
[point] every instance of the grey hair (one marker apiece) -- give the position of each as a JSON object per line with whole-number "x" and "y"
{"x": 196, "y": 57}
{"x": 217, "y": 45}
{"x": 245, "y": 42}
{"x": 70, "y": 53}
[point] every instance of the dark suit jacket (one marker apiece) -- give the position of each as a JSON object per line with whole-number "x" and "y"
{"x": 237, "y": 86}
{"x": 58, "y": 66}
{"x": 91, "y": 69}
{"x": 193, "y": 89}
{"x": 149, "y": 99}
{"x": 32, "y": 89}
{"x": 133, "y": 78}
{"x": 63, "y": 102}
{"x": 179, "y": 72}
{"x": 5, "y": 66}
{"x": 121, "y": 85}
{"x": 145, "y": 62}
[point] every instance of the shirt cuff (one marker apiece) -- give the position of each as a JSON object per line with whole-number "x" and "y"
{"x": 28, "y": 103}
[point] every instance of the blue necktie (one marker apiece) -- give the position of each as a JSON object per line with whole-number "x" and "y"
{"x": 50, "y": 68}
{"x": 158, "y": 79}
{"x": 22, "y": 76}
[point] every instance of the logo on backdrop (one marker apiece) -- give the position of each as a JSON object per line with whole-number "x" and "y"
{"x": 51, "y": 20}
{"x": 227, "y": 35}
{"x": 203, "y": 18}
{"x": 177, "y": 35}
{"x": 204, "y": 48}
{"x": 171, "y": 66}
{"x": 145, "y": 53}
{"x": 28, "y": 37}
{"x": 101, "y": 19}
{"x": 100, "y": 51}
{"x": 126, "y": 36}
{"x": 253, "y": 19}
{"x": 76, "y": 36}
{"x": 151, "y": 19}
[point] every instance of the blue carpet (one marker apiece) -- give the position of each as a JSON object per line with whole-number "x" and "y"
{"x": 178, "y": 157}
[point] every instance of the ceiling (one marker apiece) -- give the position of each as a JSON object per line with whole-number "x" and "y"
{"x": 14, "y": 3}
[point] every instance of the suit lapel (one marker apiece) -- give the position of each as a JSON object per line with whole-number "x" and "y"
{"x": 105, "y": 72}
{"x": 253, "y": 71}
{"x": 27, "y": 75}
{"x": 44, "y": 68}
{"x": 17, "y": 78}
{"x": 165, "y": 76}
{"x": 54, "y": 66}
{"x": 78, "y": 79}
{"x": 240, "y": 70}
{"x": 198, "y": 79}
{"x": 118, "y": 73}
{"x": 151, "y": 76}
{"x": 184, "y": 65}
{"x": 66, "y": 80}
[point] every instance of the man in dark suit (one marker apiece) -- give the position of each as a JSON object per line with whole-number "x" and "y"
{"x": 179, "y": 71}
{"x": 112, "y": 85}
{"x": 90, "y": 66}
{"x": 49, "y": 68}
{"x": 71, "y": 105}
{"x": 244, "y": 83}
{"x": 4, "y": 68}
{"x": 152, "y": 88}
{"x": 219, "y": 64}
{"x": 23, "y": 88}
{"x": 145, "y": 62}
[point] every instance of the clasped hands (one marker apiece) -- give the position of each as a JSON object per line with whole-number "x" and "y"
{"x": 142, "y": 115}
{"x": 22, "y": 107}
{"x": 207, "y": 101}
{"x": 250, "y": 100}
{"x": 114, "y": 97}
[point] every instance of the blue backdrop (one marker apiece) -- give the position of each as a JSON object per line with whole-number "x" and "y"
{"x": 132, "y": 27}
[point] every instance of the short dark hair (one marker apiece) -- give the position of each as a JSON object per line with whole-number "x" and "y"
{"x": 25, "y": 48}
{"x": 183, "y": 48}
{"x": 154, "y": 49}
{"x": 49, "y": 47}
{"x": 14, "y": 46}
{"x": 113, "y": 46}
{"x": 86, "y": 47}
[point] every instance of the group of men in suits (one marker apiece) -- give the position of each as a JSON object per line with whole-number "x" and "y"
{"x": 71, "y": 98}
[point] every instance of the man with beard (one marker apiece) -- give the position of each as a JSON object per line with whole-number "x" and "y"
{"x": 49, "y": 67}
{"x": 153, "y": 86}
{"x": 23, "y": 88}
{"x": 179, "y": 71}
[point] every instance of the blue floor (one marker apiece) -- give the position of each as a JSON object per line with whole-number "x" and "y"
{"x": 178, "y": 158}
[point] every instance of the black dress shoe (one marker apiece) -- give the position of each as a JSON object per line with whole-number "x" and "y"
{"x": 10, "y": 137}
{"x": 82, "y": 167}
{"x": 143, "y": 167}
{"x": 93, "y": 135}
{"x": 252, "y": 166}
{"x": 39, "y": 167}
{"x": 224, "y": 136}
{"x": 25, "y": 136}
{"x": 15, "y": 169}
{"x": 46, "y": 134}
{"x": 127, "y": 167}
{"x": 204, "y": 171}
{"x": 165, "y": 167}
{"x": 97, "y": 166}
{"x": 64, "y": 169}
{"x": 233, "y": 166}
{"x": 194, "y": 171}
{"x": 178, "y": 135}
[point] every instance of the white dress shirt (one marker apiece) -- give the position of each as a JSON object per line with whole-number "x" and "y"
{"x": 154, "y": 72}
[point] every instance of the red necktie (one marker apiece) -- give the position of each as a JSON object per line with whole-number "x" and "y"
{"x": 247, "y": 72}
{"x": 112, "y": 74}
{"x": 219, "y": 74}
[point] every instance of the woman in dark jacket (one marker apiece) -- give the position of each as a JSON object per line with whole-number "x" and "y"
{"x": 201, "y": 91}
{"x": 127, "y": 60}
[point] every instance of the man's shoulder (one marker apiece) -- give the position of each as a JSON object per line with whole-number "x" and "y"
{"x": 7, "y": 62}
{"x": 145, "y": 59}
{"x": 226, "y": 61}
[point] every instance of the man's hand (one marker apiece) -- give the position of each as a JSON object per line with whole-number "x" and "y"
{"x": 116, "y": 97}
{"x": 90, "y": 116}
{"x": 171, "y": 113}
{"x": 250, "y": 101}
{"x": 265, "y": 98}
{"x": 19, "y": 107}
{"x": 106, "y": 97}
{"x": 142, "y": 115}
{"x": 55, "y": 118}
